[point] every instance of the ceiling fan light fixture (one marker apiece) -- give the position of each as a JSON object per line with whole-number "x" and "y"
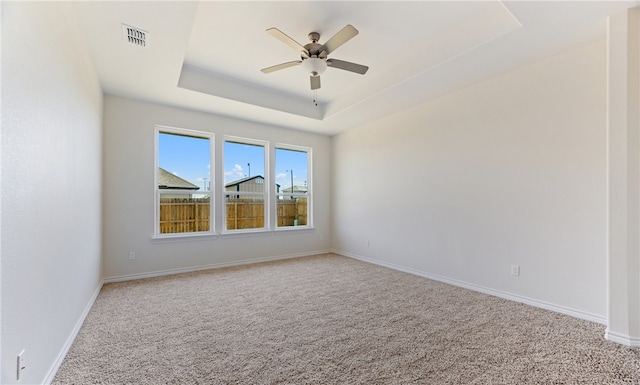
{"x": 314, "y": 66}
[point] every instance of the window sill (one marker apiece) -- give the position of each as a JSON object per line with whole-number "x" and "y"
{"x": 248, "y": 233}
{"x": 178, "y": 237}
{"x": 293, "y": 228}
{"x": 227, "y": 234}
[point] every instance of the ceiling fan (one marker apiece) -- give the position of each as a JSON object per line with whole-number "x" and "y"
{"x": 313, "y": 56}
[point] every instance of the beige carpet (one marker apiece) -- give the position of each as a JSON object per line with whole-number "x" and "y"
{"x": 331, "y": 320}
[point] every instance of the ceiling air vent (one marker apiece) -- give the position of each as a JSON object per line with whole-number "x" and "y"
{"x": 135, "y": 35}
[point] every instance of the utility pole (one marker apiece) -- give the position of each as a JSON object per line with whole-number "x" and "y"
{"x": 291, "y": 171}
{"x": 249, "y": 165}
{"x": 295, "y": 221}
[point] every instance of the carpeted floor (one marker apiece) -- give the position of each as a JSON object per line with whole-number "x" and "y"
{"x": 331, "y": 320}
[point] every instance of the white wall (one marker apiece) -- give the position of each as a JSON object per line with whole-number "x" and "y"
{"x": 129, "y": 194}
{"x": 51, "y": 185}
{"x": 509, "y": 171}
{"x": 624, "y": 177}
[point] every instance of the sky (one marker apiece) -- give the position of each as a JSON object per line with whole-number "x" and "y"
{"x": 188, "y": 158}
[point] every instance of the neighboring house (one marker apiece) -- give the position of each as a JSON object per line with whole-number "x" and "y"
{"x": 169, "y": 181}
{"x": 248, "y": 184}
{"x": 296, "y": 189}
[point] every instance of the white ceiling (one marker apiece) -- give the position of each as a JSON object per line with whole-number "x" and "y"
{"x": 207, "y": 55}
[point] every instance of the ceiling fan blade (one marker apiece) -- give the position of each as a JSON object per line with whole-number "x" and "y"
{"x": 315, "y": 82}
{"x": 343, "y": 36}
{"x": 347, "y": 66}
{"x": 283, "y": 37}
{"x": 281, "y": 66}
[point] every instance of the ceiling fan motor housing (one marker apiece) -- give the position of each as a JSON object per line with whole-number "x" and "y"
{"x": 314, "y": 50}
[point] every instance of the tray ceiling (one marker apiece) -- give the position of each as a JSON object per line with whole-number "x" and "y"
{"x": 207, "y": 55}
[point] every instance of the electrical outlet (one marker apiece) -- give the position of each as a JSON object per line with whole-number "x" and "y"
{"x": 21, "y": 366}
{"x": 132, "y": 255}
{"x": 515, "y": 270}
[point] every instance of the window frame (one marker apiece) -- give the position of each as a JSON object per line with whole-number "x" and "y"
{"x": 217, "y": 192}
{"x": 161, "y": 129}
{"x": 266, "y": 191}
{"x": 308, "y": 194}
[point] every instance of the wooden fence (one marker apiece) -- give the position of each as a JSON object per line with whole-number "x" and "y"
{"x": 288, "y": 210}
{"x": 185, "y": 215}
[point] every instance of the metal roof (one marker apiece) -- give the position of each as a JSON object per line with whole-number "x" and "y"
{"x": 296, "y": 189}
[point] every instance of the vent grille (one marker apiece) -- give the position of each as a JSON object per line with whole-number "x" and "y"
{"x": 135, "y": 35}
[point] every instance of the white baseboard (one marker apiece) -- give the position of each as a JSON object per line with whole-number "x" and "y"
{"x": 159, "y": 273}
{"x": 67, "y": 345}
{"x": 622, "y": 339}
{"x": 486, "y": 290}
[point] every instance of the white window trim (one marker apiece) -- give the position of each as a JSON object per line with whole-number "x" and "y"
{"x": 220, "y": 187}
{"x": 156, "y": 210}
{"x": 217, "y": 221}
{"x": 308, "y": 195}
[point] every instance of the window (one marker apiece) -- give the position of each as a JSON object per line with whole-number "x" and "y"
{"x": 293, "y": 191}
{"x": 244, "y": 177}
{"x": 183, "y": 182}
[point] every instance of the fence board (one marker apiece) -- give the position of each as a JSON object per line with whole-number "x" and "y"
{"x": 186, "y": 215}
